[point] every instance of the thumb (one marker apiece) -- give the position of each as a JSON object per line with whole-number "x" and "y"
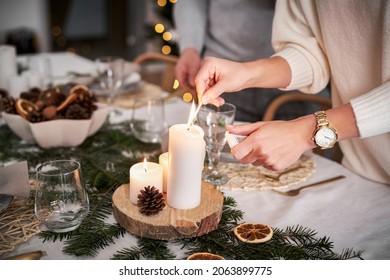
{"x": 244, "y": 129}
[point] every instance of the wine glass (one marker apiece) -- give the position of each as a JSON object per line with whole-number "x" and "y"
{"x": 61, "y": 201}
{"x": 213, "y": 121}
{"x": 110, "y": 75}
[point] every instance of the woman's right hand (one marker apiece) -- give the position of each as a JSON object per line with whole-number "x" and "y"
{"x": 217, "y": 76}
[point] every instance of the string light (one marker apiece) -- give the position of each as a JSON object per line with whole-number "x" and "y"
{"x": 167, "y": 36}
{"x": 56, "y": 30}
{"x": 162, "y": 3}
{"x": 159, "y": 28}
{"x": 176, "y": 84}
{"x": 187, "y": 97}
{"x": 166, "y": 49}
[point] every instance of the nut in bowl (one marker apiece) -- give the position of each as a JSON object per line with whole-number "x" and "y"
{"x": 52, "y": 119}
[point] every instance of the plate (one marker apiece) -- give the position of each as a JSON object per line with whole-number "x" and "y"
{"x": 5, "y": 201}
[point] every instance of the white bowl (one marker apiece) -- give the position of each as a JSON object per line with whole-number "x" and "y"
{"x": 57, "y": 133}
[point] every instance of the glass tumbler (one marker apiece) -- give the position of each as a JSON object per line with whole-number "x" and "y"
{"x": 61, "y": 201}
{"x": 148, "y": 119}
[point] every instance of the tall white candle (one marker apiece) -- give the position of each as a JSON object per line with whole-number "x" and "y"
{"x": 185, "y": 165}
{"x": 163, "y": 161}
{"x": 8, "y": 64}
{"x": 144, "y": 174}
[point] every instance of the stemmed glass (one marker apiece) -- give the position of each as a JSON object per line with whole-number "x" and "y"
{"x": 213, "y": 120}
{"x": 110, "y": 75}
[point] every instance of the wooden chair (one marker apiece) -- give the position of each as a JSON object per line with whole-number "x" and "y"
{"x": 158, "y": 68}
{"x": 324, "y": 104}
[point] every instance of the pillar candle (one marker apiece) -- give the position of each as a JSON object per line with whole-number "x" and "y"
{"x": 8, "y": 64}
{"x": 185, "y": 165}
{"x": 163, "y": 161}
{"x": 144, "y": 174}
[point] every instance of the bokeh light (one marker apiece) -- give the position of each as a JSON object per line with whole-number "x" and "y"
{"x": 167, "y": 36}
{"x": 159, "y": 28}
{"x": 187, "y": 97}
{"x": 176, "y": 84}
{"x": 162, "y": 3}
{"x": 166, "y": 49}
{"x": 56, "y": 30}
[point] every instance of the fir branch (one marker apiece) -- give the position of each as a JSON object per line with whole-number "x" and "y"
{"x": 146, "y": 248}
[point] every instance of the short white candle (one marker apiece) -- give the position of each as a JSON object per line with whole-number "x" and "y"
{"x": 145, "y": 174}
{"x": 185, "y": 165}
{"x": 163, "y": 161}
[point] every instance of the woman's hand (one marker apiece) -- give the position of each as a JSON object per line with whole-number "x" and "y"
{"x": 217, "y": 76}
{"x": 275, "y": 144}
{"x": 186, "y": 69}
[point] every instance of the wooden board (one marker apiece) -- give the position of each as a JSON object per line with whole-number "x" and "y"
{"x": 170, "y": 223}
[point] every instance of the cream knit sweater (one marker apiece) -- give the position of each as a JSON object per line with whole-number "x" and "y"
{"x": 348, "y": 43}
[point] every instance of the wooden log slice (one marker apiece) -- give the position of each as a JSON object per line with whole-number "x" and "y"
{"x": 170, "y": 223}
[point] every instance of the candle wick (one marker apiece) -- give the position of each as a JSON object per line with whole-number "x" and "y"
{"x": 145, "y": 170}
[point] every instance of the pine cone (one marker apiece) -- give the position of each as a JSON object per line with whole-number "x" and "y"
{"x": 86, "y": 100}
{"x": 31, "y": 95}
{"x": 150, "y": 201}
{"x": 52, "y": 97}
{"x": 35, "y": 116}
{"x": 76, "y": 112}
{"x": 7, "y": 103}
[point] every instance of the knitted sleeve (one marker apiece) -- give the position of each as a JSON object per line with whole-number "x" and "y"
{"x": 295, "y": 37}
{"x": 372, "y": 111}
{"x": 190, "y": 18}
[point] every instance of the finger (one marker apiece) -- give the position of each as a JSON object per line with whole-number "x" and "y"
{"x": 241, "y": 150}
{"x": 218, "y": 102}
{"x": 244, "y": 129}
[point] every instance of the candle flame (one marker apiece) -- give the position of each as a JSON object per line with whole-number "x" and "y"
{"x": 145, "y": 165}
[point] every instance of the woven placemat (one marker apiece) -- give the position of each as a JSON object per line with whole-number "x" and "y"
{"x": 17, "y": 225}
{"x": 251, "y": 178}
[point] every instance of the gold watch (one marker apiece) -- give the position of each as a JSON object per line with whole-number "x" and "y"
{"x": 325, "y": 135}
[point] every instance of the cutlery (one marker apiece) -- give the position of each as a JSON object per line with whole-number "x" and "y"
{"x": 35, "y": 255}
{"x": 297, "y": 191}
{"x": 276, "y": 177}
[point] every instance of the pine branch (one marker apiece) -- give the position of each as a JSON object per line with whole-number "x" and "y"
{"x": 146, "y": 248}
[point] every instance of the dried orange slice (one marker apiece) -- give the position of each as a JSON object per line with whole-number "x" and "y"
{"x": 205, "y": 256}
{"x": 23, "y": 107}
{"x": 253, "y": 233}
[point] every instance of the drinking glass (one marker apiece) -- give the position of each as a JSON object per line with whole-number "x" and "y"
{"x": 61, "y": 201}
{"x": 213, "y": 121}
{"x": 148, "y": 119}
{"x": 110, "y": 75}
{"x": 41, "y": 66}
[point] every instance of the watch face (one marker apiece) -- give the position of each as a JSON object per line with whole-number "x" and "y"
{"x": 325, "y": 137}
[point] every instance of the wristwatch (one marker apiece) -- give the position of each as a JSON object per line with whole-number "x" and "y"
{"x": 325, "y": 135}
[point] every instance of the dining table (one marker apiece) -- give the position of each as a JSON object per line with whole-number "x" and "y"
{"x": 353, "y": 212}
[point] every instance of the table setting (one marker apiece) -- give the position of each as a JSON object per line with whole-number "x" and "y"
{"x": 138, "y": 186}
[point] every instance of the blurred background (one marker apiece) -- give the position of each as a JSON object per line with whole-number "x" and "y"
{"x": 90, "y": 28}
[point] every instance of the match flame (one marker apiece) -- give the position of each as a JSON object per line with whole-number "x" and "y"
{"x": 145, "y": 165}
{"x": 192, "y": 116}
